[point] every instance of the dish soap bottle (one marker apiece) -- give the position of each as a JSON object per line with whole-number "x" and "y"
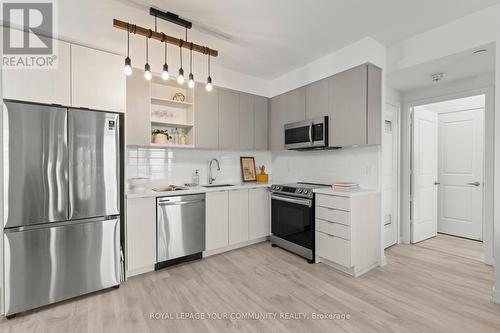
{"x": 196, "y": 178}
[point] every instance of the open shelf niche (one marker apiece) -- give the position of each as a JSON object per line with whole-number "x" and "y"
{"x": 169, "y": 114}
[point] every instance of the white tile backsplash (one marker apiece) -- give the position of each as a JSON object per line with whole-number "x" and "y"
{"x": 176, "y": 166}
{"x": 357, "y": 164}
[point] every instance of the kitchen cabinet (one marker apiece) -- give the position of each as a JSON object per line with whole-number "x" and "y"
{"x": 374, "y": 105}
{"x": 50, "y": 86}
{"x": 206, "y": 120}
{"x": 229, "y": 120}
{"x": 347, "y": 108}
{"x": 277, "y": 119}
{"x": 317, "y": 99}
{"x": 138, "y": 110}
{"x": 141, "y": 233}
{"x": 247, "y": 121}
{"x": 295, "y": 105}
{"x": 216, "y": 220}
{"x": 355, "y": 107}
{"x": 97, "y": 79}
{"x": 258, "y": 213}
{"x": 261, "y": 123}
{"x": 348, "y": 231}
{"x": 238, "y": 216}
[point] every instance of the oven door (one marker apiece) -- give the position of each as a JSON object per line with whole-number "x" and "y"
{"x": 292, "y": 219}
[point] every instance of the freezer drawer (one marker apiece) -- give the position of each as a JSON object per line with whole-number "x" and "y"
{"x": 94, "y": 168}
{"x": 51, "y": 264}
{"x": 35, "y": 164}
{"x": 180, "y": 226}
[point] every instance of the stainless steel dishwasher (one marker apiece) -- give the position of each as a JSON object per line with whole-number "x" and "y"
{"x": 180, "y": 229}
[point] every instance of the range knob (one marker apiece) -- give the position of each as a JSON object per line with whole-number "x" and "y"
{"x": 299, "y": 191}
{"x": 306, "y": 191}
{"x": 277, "y": 188}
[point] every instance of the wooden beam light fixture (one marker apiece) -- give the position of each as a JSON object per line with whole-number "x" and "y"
{"x": 161, "y": 37}
{"x": 166, "y": 39}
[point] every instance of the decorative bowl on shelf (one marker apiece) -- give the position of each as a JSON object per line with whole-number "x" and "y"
{"x": 138, "y": 182}
{"x": 160, "y": 136}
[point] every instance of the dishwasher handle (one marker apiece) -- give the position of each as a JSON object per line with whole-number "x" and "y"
{"x": 174, "y": 203}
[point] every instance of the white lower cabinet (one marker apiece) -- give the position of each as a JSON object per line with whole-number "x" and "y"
{"x": 348, "y": 232}
{"x": 140, "y": 234}
{"x": 216, "y": 220}
{"x": 238, "y": 216}
{"x": 258, "y": 213}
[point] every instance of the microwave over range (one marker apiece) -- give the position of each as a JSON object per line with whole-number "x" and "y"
{"x": 307, "y": 134}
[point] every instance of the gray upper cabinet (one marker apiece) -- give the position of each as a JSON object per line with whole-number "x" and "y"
{"x": 295, "y": 105}
{"x": 317, "y": 99}
{"x": 374, "y": 105}
{"x": 206, "y": 117}
{"x": 260, "y": 123}
{"x": 347, "y": 108}
{"x": 277, "y": 110}
{"x": 247, "y": 125}
{"x": 138, "y": 110}
{"x": 229, "y": 119}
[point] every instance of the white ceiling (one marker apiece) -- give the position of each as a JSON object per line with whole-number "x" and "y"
{"x": 455, "y": 67}
{"x": 266, "y": 38}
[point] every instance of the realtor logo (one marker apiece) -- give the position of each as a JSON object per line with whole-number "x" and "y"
{"x": 27, "y": 34}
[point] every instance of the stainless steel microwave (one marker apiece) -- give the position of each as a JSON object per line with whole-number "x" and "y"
{"x": 307, "y": 134}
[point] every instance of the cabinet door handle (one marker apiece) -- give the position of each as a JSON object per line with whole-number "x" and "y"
{"x": 474, "y": 183}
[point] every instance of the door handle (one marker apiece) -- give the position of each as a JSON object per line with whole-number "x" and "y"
{"x": 311, "y": 133}
{"x": 436, "y": 183}
{"x": 474, "y": 183}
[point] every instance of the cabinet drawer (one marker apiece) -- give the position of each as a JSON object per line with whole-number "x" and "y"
{"x": 334, "y": 229}
{"x": 333, "y": 201}
{"x": 333, "y": 248}
{"x": 333, "y": 215}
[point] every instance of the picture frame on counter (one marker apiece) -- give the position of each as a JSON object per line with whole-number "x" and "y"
{"x": 248, "y": 171}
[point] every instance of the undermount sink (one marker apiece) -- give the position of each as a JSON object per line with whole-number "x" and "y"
{"x": 217, "y": 185}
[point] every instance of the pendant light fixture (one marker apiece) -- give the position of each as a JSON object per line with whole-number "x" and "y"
{"x": 166, "y": 39}
{"x": 128, "y": 63}
{"x": 209, "y": 79}
{"x": 164, "y": 74}
{"x": 147, "y": 68}
{"x": 180, "y": 78}
{"x": 191, "y": 76}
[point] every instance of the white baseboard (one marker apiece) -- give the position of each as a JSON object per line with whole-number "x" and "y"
{"x": 234, "y": 246}
{"x": 496, "y": 296}
{"x": 139, "y": 271}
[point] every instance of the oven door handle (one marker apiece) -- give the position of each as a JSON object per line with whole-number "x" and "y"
{"x": 311, "y": 133}
{"x": 303, "y": 202}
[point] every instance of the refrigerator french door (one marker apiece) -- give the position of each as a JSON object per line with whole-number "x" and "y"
{"x": 61, "y": 204}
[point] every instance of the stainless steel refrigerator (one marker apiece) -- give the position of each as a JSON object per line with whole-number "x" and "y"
{"x": 61, "y": 203}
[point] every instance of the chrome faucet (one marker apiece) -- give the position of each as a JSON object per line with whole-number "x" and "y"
{"x": 210, "y": 178}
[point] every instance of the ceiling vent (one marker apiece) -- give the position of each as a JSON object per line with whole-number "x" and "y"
{"x": 436, "y": 77}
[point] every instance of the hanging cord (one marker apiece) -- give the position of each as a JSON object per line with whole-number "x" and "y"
{"x": 191, "y": 59}
{"x": 180, "y": 50}
{"x": 128, "y": 40}
{"x": 209, "y": 64}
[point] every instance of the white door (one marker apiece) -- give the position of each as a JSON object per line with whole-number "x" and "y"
{"x": 425, "y": 170}
{"x": 461, "y": 173}
{"x": 390, "y": 175}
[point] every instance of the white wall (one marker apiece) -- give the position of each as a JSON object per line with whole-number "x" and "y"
{"x": 326, "y": 166}
{"x": 176, "y": 166}
{"x": 360, "y": 52}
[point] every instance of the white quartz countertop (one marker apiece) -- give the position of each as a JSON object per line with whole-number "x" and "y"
{"x": 148, "y": 192}
{"x": 341, "y": 193}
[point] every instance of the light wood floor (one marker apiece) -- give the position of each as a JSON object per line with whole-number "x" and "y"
{"x": 455, "y": 246}
{"x": 419, "y": 290}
